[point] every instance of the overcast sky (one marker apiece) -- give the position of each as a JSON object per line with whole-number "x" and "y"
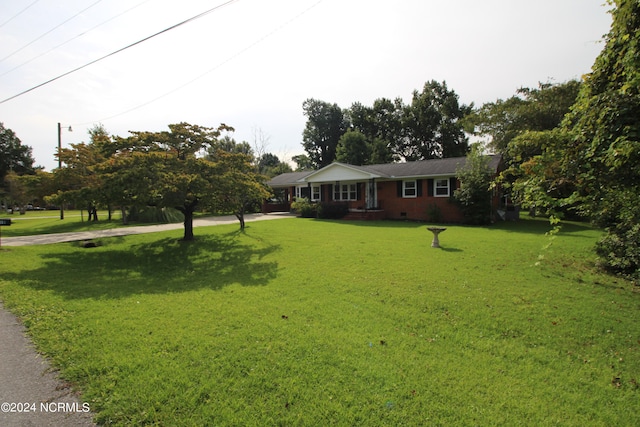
{"x": 251, "y": 63}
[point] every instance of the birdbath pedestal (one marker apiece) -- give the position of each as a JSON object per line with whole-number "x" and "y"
{"x": 436, "y": 231}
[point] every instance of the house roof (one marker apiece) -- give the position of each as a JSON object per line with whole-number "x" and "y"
{"x": 341, "y": 171}
{"x": 287, "y": 179}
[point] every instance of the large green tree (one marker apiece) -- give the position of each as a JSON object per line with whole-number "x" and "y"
{"x": 530, "y": 109}
{"x": 326, "y": 123}
{"x": 35, "y": 187}
{"x": 270, "y": 165}
{"x": 239, "y": 187}
{"x": 14, "y": 156}
{"x": 353, "y": 148}
{"x": 381, "y": 126}
{"x": 127, "y": 181}
{"x": 176, "y": 177}
{"x": 77, "y": 180}
{"x": 166, "y": 169}
{"x": 303, "y": 162}
{"x": 433, "y": 124}
{"x": 228, "y": 145}
{"x": 524, "y": 129}
{"x": 535, "y": 176}
{"x": 603, "y": 158}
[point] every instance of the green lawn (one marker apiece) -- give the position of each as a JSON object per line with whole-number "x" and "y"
{"x": 47, "y": 222}
{"x": 308, "y": 322}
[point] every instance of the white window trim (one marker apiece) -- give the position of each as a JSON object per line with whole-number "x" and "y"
{"x": 299, "y": 189}
{"x": 415, "y": 189}
{"x": 315, "y": 188}
{"x": 436, "y": 187}
{"x": 351, "y": 190}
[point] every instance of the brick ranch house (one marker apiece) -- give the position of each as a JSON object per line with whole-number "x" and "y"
{"x": 387, "y": 191}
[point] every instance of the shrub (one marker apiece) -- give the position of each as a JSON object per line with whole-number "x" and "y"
{"x": 153, "y": 214}
{"x": 619, "y": 251}
{"x": 333, "y": 210}
{"x": 473, "y": 196}
{"x": 305, "y": 208}
{"x": 434, "y": 213}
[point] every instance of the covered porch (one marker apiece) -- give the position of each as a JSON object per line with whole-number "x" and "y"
{"x": 341, "y": 183}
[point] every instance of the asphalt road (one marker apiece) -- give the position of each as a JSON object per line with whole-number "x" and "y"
{"x": 31, "y": 393}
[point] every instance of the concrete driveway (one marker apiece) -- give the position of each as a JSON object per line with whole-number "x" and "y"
{"x": 43, "y": 239}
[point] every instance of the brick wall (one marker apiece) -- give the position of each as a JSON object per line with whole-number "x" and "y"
{"x": 395, "y": 207}
{"x": 414, "y": 208}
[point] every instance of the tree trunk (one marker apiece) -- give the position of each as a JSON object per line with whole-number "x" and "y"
{"x": 125, "y": 220}
{"x": 188, "y": 225}
{"x": 187, "y": 210}
{"x": 240, "y": 216}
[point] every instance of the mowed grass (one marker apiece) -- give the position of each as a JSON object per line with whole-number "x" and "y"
{"x": 307, "y": 322}
{"x": 47, "y": 222}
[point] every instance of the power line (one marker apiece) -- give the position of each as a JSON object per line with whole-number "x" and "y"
{"x": 51, "y": 30}
{"x": 73, "y": 38}
{"x": 17, "y": 14}
{"x": 200, "y": 15}
{"x": 249, "y": 47}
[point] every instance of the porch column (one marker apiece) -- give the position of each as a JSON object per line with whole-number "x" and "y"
{"x": 372, "y": 199}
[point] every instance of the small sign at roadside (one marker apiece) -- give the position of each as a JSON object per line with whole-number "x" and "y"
{"x": 3, "y": 221}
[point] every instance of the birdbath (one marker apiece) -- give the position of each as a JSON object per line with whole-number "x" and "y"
{"x": 436, "y": 231}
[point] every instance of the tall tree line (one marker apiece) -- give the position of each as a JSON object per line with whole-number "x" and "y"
{"x": 431, "y": 126}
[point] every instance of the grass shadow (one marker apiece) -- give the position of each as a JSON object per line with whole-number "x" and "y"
{"x": 159, "y": 266}
{"x": 446, "y": 249}
{"x": 542, "y": 226}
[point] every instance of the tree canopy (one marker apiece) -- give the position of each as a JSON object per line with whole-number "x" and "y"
{"x": 603, "y": 158}
{"x": 590, "y": 163}
{"x": 16, "y": 162}
{"x": 530, "y": 109}
{"x": 14, "y": 156}
{"x": 169, "y": 169}
{"x": 326, "y": 123}
{"x": 523, "y": 128}
{"x": 163, "y": 170}
{"x": 431, "y": 126}
{"x": 353, "y": 149}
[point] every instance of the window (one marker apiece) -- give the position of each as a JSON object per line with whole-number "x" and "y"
{"x": 409, "y": 188}
{"x": 315, "y": 192}
{"x": 345, "y": 191}
{"x": 441, "y": 187}
{"x": 302, "y": 191}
